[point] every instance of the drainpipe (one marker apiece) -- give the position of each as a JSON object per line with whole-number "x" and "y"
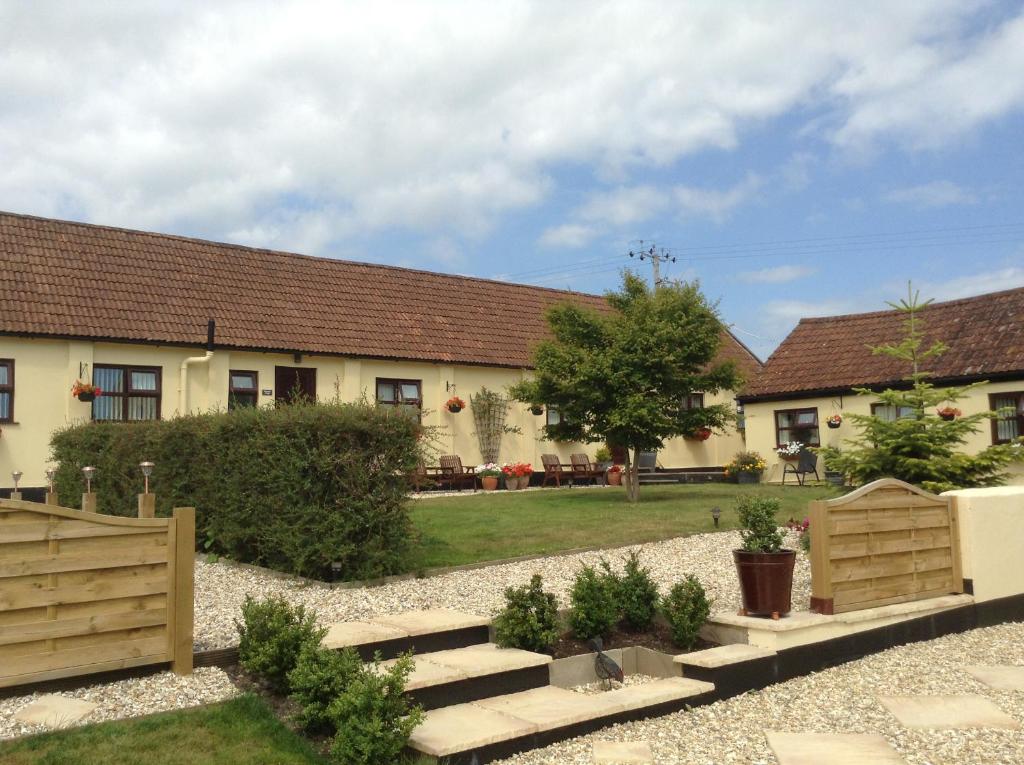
{"x": 211, "y": 327}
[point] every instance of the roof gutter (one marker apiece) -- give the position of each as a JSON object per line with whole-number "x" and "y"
{"x": 211, "y": 328}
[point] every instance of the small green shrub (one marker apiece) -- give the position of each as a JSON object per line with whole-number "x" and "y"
{"x": 529, "y": 619}
{"x": 593, "y": 609}
{"x": 686, "y": 607}
{"x": 636, "y": 594}
{"x": 272, "y": 634}
{"x": 319, "y": 677}
{"x": 759, "y": 529}
{"x": 372, "y": 716}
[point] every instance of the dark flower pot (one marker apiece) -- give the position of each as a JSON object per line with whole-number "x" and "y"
{"x": 948, "y": 417}
{"x": 454, "y": 408}
{"x": 86, "y": 397}
{"x": 536, "y": 410}
{"x": 766, "y": 582}
{"x": 834, "y": 425}
{"x": 745, "y": 476}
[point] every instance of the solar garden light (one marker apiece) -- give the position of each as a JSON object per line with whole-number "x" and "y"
{"x": 51, "y": 494}
{"x": 16, "y": 475}
{"x": 336, "y": 568}
{"x": 89, "y": 473}
{"x": 147, "y": 501}
{"x": 716, "y": 513}
{"x": 88, "y": 499}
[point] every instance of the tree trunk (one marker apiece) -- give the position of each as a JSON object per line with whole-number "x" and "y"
{"x": 631, "y": 477}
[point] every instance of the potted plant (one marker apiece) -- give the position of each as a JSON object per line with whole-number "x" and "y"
{"x": 834, "y": 421}
{"x": 615, "y": 475}
{"x": 517, "y": 475}
{"x": 84, "y": 391}
{"x": 948, "y": 413}
{"x": 790, "y": 451}
{"x": 455, "y": 405}
{"x": 747, "y": 467}
{"x": 765, "y": 569}
{"x": 700, "y": 434}
{"x": 603, "y": 457}
{"x": 488, "y": 473}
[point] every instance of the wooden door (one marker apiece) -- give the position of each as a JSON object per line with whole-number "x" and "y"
{"x": 294, "y": 382}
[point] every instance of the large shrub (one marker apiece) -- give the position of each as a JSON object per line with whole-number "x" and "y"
{"x": 686, "y": 607}
{"x": 373, "y": 717}
{"x": 294, "y": 488}
{"x": 319, "y": 677}
{"x": 272, "y": 635}
{"x": 594, "y": 607}
{"x": 636, "y": 594}
{"x": 529, "y": 619}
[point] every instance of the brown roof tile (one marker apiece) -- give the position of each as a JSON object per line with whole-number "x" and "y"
{"x": 985, "y": 335}
{"x": 67, "y": 279}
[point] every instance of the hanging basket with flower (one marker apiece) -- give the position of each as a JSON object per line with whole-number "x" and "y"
{"x": 834, "y": 421}
{"x": 949, "y": 413}
{"x": 700, "y": 434}
{"x": 84, "y": 391}
{"x": 455, "y": 405}
{"x": 536, "y": 409}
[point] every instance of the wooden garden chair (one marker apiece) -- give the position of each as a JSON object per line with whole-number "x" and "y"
{"x": 554, "y": 469}
{"x": 808, "y": 463}
{"x": 582, "y": 468}
{"x": 454, "y": 474}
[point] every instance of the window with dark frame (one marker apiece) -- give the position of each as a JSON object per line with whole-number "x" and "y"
{"x": 891, "y": 413}
{"x": 243, "y": 389}
{"x": 797, "y": 425}
{"x": 1008, "y": 428}
{"x": 7, "y": 390}
{"x": 553, "y": 416}
{"x": 693, "y": 401}
{"x": 129, "y": 393}
{"x": 405, "y": 395}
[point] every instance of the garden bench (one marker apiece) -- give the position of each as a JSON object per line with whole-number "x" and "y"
{"x": 554, "y": 469}
{"x": 582, "y": 468}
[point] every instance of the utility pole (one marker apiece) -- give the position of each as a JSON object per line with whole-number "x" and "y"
{"x": 656, "y": 256}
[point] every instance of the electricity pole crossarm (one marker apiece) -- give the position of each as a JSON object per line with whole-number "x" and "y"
{"x": 657, "y": 256}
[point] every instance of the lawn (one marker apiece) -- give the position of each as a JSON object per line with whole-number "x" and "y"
{"x": 490, "y": 526}
{"x": 242, "y": 731}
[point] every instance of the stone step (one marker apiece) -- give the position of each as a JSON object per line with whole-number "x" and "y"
{"x": 435, "y": 629}
{"x": 500, "y": 726}
{"x": 458, "y": 676}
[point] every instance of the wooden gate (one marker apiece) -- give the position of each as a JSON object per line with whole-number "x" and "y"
{"x": 83, "y": 593}
{"x": 887, "y": 542}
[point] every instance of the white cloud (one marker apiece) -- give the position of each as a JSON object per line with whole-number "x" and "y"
{"x": 973, "y": 284}
{"x": 934, "y": 194}
{"x": 571, "y": 235}
{"x": 299, "y": 122}
{"x": 776, "y": 275}
{"x": 625, "y": 205}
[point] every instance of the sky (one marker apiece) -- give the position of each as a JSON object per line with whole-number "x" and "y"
{"x": 798, "y": 158}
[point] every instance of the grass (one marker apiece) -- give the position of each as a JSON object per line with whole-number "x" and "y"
{"x": 491, "y": 526}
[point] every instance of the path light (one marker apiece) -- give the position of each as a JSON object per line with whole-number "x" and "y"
{"x": 51, "y": 474}
{"x": 336, "y": 568}
{"x": 716, "y": 513}
{"x": 88, "y": 472}
{"x": 16, "y": 475}
{"x": 147, "y": 471}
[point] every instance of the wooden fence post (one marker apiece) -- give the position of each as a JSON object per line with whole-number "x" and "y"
{"x": 89, "y": 502}
{"x": 147, "y": 505}
{"x": 51, "y": 498}
{"x": 184, "y": 565}
{"x": 15, "y": 495}
{"x": 821, "y": 580}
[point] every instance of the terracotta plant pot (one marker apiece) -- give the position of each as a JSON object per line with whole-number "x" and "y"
{"x": 489, "y": 482}
{"x": 766, "y": 582}
{"x": 86, "y": 397}
{"x": 615, "y": 479}
{"x": 745, "y": 476}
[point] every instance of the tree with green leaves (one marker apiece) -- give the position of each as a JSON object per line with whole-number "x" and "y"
{"x": 918, "y": 446}
{"x": 624, "y": 376}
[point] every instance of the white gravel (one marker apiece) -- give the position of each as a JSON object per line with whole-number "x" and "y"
{"x": 221, "y": 587}
{"x": 593, "y": 689}
{"x": 130, "y": 698}
{"x": 839, "y": 700}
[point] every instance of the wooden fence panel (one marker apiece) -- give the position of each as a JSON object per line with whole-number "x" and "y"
{"x": 83, "y": 593}
{"x": 887, "y": 542}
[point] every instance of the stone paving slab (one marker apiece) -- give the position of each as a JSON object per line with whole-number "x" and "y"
{"x": 344, "y": 634}
{"x": 54, "y": 711}
{"x": 427, "y": 673}
{"x": 623, "y": 753}
{"x": 648, "y": 694}
{"x": 463, "y": 727}
{"x": 415, "y": 623}
{"x": 832, "y": 748}
{"x": 720, "y": 656}
{"x": 550, "y": 707}
{"x": 1003, "y": 678}
{"x": 487, "y": 659}
{"x": 967, "y": 711}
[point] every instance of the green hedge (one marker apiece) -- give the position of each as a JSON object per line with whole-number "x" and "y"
{"x": 292, "y": 488}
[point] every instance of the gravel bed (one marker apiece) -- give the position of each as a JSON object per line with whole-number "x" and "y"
{"x": 221, "y": 587}
{"x": 838, "y": 700}
{"x": 130, "y": 698}
{"x": 593, "y": 689}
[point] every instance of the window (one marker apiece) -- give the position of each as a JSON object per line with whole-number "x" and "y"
{"x": 129, "y": 393}
{"x": 797, "y": 425}
{"x": 1011, "y": 427}
{"x": 693, "y": 401}
{"x": 6, "y": 390}
{"x": 891, "y": 413}
{"x": 406, "y": 395}
{"x": 243, "y": 389}
{"x": 553, "y": 416}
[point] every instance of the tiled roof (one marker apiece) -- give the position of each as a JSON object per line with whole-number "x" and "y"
{"x": 985, "y": 335}
{"x": 66, "y": 279}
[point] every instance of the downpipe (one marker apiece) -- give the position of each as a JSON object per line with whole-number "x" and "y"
{"x": 211, "y": 327}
